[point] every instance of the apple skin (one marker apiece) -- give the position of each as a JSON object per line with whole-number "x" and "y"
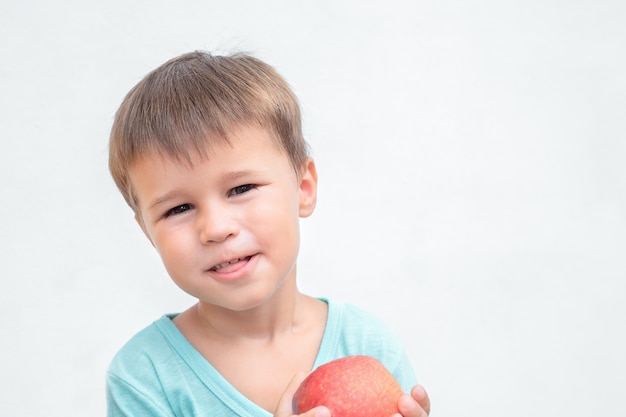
{"x": 353, "y": 386}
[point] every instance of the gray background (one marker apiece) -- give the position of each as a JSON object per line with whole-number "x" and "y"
{"x": 472, "y": 188}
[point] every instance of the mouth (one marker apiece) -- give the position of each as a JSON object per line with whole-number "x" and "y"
{"x": 225, "y": 266}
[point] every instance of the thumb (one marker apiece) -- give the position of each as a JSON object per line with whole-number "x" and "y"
{"x": 285, "y": 404}
{"x": 284, "y": 408}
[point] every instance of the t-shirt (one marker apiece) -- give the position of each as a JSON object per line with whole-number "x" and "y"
{"x": 159, "y": 373}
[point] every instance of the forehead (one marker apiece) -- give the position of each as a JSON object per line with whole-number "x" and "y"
{"x": 190, "y": 151}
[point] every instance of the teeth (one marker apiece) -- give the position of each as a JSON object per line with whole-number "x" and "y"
{"x": 222, "y": 265}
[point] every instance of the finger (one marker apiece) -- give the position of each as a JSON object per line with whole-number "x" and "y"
{"x": 410, "y": 408}
{"x": 420, "y": 395}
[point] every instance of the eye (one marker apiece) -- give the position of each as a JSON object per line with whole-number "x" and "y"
{"x": 177, "y": 210}
{"x": 242, "y": 189}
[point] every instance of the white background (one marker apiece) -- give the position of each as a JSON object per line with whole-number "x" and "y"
{"x": 472, "y": 160}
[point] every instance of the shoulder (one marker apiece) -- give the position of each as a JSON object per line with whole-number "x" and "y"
{"x": 142, "y": 356}
{"x": 141, "y": 344}
{"x": 360, "y": 324}
{"x": 359, "y": 331}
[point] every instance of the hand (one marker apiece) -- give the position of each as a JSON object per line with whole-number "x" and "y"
{"x": 415, "y": 405}
{"x": 284, "y": 405}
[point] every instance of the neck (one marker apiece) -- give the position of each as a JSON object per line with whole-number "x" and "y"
{"x": 274, "y": 317}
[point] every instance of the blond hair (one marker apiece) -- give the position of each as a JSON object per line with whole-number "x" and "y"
{"x": 189, "y": 101}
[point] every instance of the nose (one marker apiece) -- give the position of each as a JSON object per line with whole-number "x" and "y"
{"x": 216, "y": 224}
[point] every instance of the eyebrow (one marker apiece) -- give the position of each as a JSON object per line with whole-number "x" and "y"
{"x": 162, "y": 199}
{"x": 235, "y": 175}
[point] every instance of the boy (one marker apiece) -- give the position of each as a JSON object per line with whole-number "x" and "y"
{"x": 208, "y": 152}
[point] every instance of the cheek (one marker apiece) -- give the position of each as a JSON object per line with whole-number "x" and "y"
{"x": 276, "y": 226}
{"x": 279, "y": 213}
{"x": 174, "y": 248}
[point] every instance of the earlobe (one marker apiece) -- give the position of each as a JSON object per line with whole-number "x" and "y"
{"x": 141, "y": 224}
{"x": 308, "y": 188}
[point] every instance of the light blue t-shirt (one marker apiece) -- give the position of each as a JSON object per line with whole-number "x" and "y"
{"x": 159, "y": 373}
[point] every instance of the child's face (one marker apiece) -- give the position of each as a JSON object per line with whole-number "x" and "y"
{"x": 227, "y": 226}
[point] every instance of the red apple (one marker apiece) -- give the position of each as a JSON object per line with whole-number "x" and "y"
{"x": 354, "y": 386}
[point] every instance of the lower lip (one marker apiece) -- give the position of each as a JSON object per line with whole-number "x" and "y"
{"x": 235, "y": 272}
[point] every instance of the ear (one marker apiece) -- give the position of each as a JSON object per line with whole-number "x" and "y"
{"x": 308, "y": 188}
{"x": 141, "y": 224}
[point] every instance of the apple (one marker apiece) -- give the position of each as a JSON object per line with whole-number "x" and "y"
{"x": 354, "y": 386}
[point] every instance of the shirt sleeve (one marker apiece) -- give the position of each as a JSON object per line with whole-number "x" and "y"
{"x": 404, "y": 373}
{"x": 125, "y": 400}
